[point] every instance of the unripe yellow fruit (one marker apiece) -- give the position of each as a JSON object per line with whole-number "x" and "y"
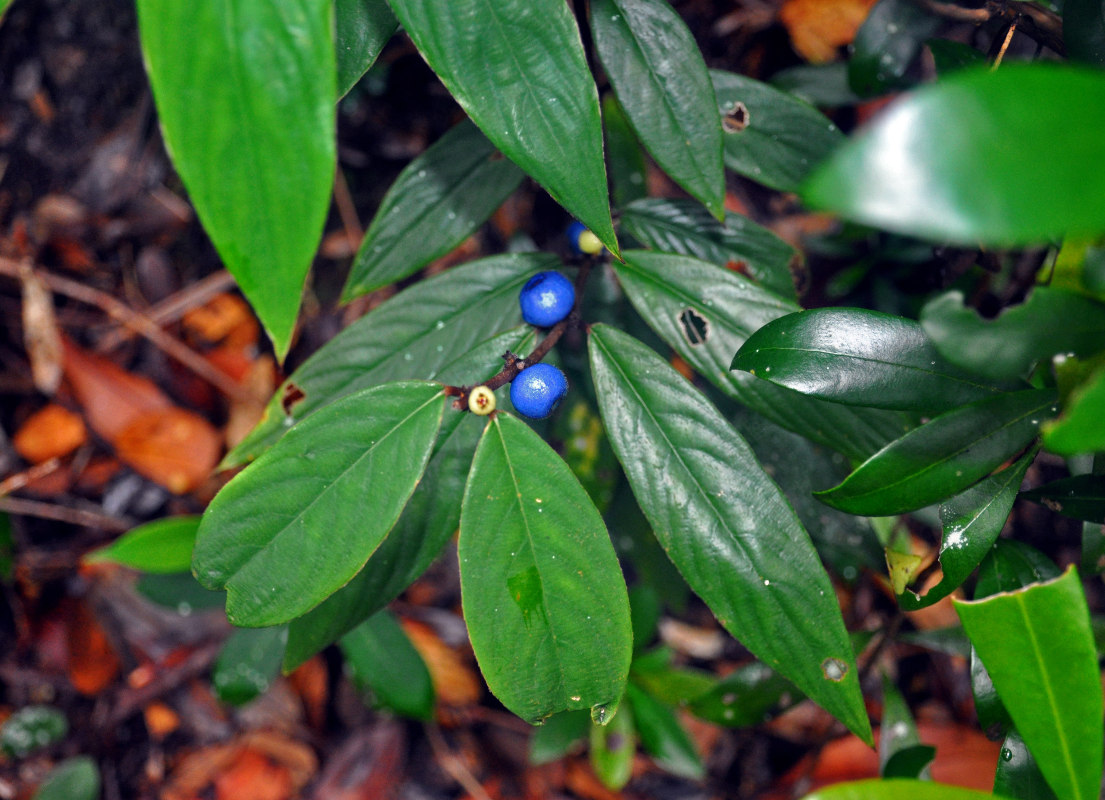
{"x": 589, "y": 244}
{"x": 481, "y": 401}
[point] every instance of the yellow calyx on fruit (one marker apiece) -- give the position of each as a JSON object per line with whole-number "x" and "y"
{"x": 481, "y": 401}
{"x": 589, "y": 244}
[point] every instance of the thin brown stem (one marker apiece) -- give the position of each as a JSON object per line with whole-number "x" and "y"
{"x": 74, "y": 516}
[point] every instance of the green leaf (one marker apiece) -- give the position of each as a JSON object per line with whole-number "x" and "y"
{"x": 1084, "y": 31}
{"x": 32, "y": 728}
{"x": 654, "y": 672}
{"x": 613, "y": 747}
{"x": 625, "y": 160}
{"x": 542, "y": 592}
{"x": 1006, "y": 347}
{"x": 362, "y": 28}
{"x": 896, "y": 789}
{"x": 676, "y": 225}
{"x": 887, "y": 44}
{"x": 162, "y": 546}
{"x": 382, "y": 660}
{"x": 518, "y": 68}
{"x": 944, "y": 456}
{"x": 958, "y": 161}
{"x": 75, "y": 778}
{"x": 1038, "y": 647}
{"x": 749, "y": 695}
{"x": 1078, "y": 429}
{"x": 246, "y": 103}
{"x": 1081, "y": 497}
{"x": 724, "y": 523}
{"x": 971, "y": 522}
{"x": 859, "y": 357}
{"x": 416, "y": 334}
{"x": 557, "y": 736}
{"x": 705, "y": 313}
{"x": 179, "y": 591}
{"x": 899, "y": 756}
{"x": 662, "y": 84}
{"x": 437, "y": 201}
{"x": 820, "y": 85}
{"x": 1017, "y": 775}
{"x": 663, "y": 737}
{"x": 909, "y": 762}
{"x": 248, "y": 663}
{"x": 429, "y": 520}
{"x": 298, "y": 523}
{"x": 771, "y": 136}
{"x": 949, "y": 56}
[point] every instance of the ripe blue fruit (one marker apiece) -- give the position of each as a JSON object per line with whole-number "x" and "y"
{"x": 536, "y": 391}
{"x": 546, "y": 299}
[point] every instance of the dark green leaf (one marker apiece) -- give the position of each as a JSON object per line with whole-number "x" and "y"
{"x": 248, "y": 663}
{"x": 75, "y": 778}
{"x": 416, "y": 334}
{"x": 944, "y": 456}
{"x": 1084, "y": 31}
{"x": 1017, "y": 775}
{"x": 1012, "y": 565}
{"x": 749, "y": 695}
{"x": 644, "y": 614}
{"x": 437, "y": 201}
{"x": 362, "y": 27}
{"x": 1038, "y": 647}
{"x": 383, "y": 661}
{"x": 898, "y": 738}
{"x": 518, "y": 68}
{"x": 663, "y": 737}
{"x": 724, "y": 523}
{"x": 1079, "y": 428}
{"x": 1006, "y": 347}
{"x": 909, "y": 762}
{"x": 821, "y": 85}
{"x": 706, "y": 313}
{"x": 896, "y": 789}
{"x": 887, "y": 44}
{"x": 661, "y": 81}
{"x": 959, "y": 161}
{"x": 245, "y": 95}
{"x": 971, "y": 522}
{"x": 859, "y": 357}
{"x": 543, "y": 595}
{"x": 770, "y": 136}
{"x": 949, "y": 56}
{"x": 655, "y": 673}
{"x": 32, "y": 728}
{"x": 613, "y": 747}
{"x": 1081, "y": 497}
{"x": 557, "y": 736}
{"x": 676, "y": 225}
{"x": 179, "y": 591}
{"x": 625, "y": 160}
{"x": 162, "y": 546}
{"x": 299, "y": 522}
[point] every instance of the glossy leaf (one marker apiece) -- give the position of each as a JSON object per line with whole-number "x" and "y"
{"x": 302, "y": 520}
{"x": 887, "y": 44}
{"x": 749, "y": 695}
{"x": 675, "y": 225}
{"x": 663, "y": 737}
{"x": 162, "y": 546}
{"x": 415, "y": 334}
{"x": 613, "y": 747}
{"x": 382, "y": 660}
{"x": 624, "y": 157}
{"x": 542, "y": 591}
{"x": 899, "y": 756}
{"x": 260, "y": 76}
{"x": 437, "y": 201}
{"x": 1081, "y": 497}
{"x": 31, "y": 728}
{"x": 677, "y": 296}
{"x": 1007, "y": 346}
{"x": 362, "y": 28}
{"x": 771, "y": 136}
{"x": 1084, "y": 31}
{"x": 426, "y": 524}
{"x": 518, "y": 69}
{"x": 859, "y": 357}
{"x": 949, "y": 56}
{"x": 971, "y": 523}
{"x": 1078, "y": 429}
{"x": 248, "y": 663}
{"x": 1039, "y": 650}
{"x": 1017, "y": 774}
{"x": 944, "y": 456}
{"x": 958, "y": 161}
{"x": 558, "y": 736}
{"x": 896, "y": 789}
{"x": 75, "y": 778}
{"x": 662, "y": 84}
{"x": 724, "y": 523}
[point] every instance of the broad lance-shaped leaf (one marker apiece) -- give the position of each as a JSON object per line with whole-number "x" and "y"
{"x": 415, "y": 334}
{"x": 1081, "y": 497}
{"x": 298, "y": 523}
{"x": 725, "y": 524}
{"x": 944, "y": 456}
{"x": 1037, "y": 644}
{"x": 163, "y": 546}
{"x": 436, "y": 202}
{"x": 543, "y": 594}
{"x": 896, "y": 789}
{"x": 246, "y": 104}
{"x": 518, "y": 68}
{"x": 958, "y": 161}
{"x": 706, "y": 312}
{"x": 661, "y": 81}
{"x": 971, "y": 523}
{"x": 859, "y": 357}
{"x": 1079, "y": 428}
{"x": 362, "y": 29}
{"x": 381, "y": 659}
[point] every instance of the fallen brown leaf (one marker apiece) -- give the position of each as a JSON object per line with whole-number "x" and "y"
{"x": 818, "y": 27}
{"x": 170, "y": 446}
{"x": 51, "y": 432}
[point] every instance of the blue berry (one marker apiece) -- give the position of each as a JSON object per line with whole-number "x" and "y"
{"x": 582, "y": 240}
{"x": 575, "y": 230}
{"x": 546, "y": 299}
{"x": 537, "y": 390}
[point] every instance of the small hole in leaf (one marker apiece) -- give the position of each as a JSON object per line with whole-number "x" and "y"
{"x": 696, "y": 330}
{"x": 292, "y": 396}
{"x": 834, "y": 669}
{"x": 736, "y": 118}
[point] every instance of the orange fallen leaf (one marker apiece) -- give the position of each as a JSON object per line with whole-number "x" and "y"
{"x": 51, "y": 432}
{"x": 454, "y": 681}
{"x": 258, "y": 766}
{"x": 170, "y": 446}
{"x": 818, "y": 27}
{"x": 254, "y": 777}
{"x": 225, "y": 319}
{"x": 160, "y": 720}
{"x": 93, "y": 664}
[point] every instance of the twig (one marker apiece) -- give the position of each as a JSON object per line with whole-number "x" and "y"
{"x": 1034, "y": 21}
{"x": 129, "y": 701}
{"x": 74, "y": 516}
{"x": 453, "y": 765}
{"x": 20, "y": 479}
